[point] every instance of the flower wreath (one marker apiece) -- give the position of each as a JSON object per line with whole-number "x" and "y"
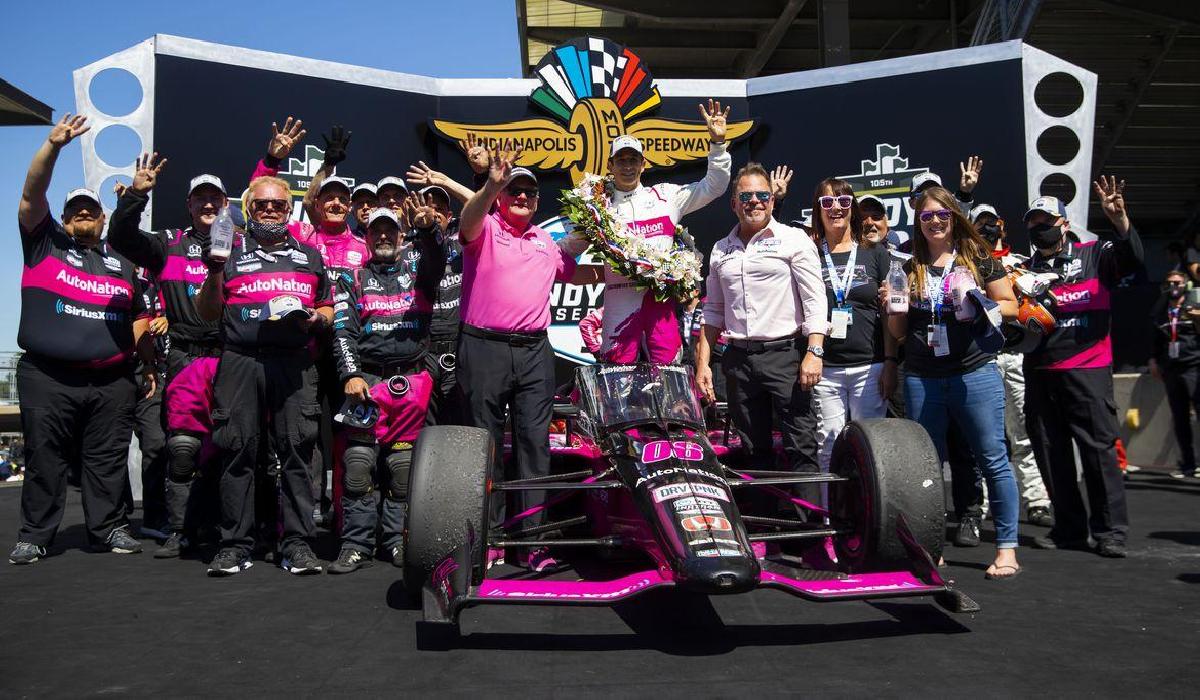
{"x": 670, "y": 274}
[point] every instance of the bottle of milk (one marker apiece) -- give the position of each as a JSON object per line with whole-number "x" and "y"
{"x": 221, "y": 235}
{"x": 961, "y": 282}
{"x": 897, "y": 282}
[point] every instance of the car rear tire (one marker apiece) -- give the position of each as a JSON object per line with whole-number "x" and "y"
{"x": 447, "y": 498}
{"x": 893, "y": 469}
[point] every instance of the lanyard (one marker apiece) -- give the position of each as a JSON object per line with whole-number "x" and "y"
{"x": 937, "y": 291}
{"x": 1174, "y": 314}
{"x": 840, "y": 287}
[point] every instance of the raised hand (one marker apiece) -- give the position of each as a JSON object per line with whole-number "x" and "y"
{"x": 477, "y": 155}
{"x": 335, "y": 145}
{"x": 970, "y": 173}
{"x": 420, "y": 210}
{"x": 780, "y": 177}
{"x": 283, "y": 141}
{"x": 145, "y": 175}
{"x": 68, "y": 129}
{"x": 714, "y": 119}
{"x": 1112, "y": 199}
{"x": 421, "y": 175}
{"x": 500, "y": 165}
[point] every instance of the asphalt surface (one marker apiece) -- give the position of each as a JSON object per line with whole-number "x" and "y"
{"x": 83, "y": 624}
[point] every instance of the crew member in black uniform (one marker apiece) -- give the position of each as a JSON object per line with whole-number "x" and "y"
{"x": 272, "y": 296}
{"x": 1176, "y": 361}
{"x": 82, "y": 313}
{"x": 1068, "y": 390}
{"x": 381, "y": 337}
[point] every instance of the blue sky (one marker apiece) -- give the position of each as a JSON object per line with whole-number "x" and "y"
{"x": 44, "y": 43}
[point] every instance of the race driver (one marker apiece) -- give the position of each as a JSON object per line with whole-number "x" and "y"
{"x": 82, "y": 312}
{"x": 381, "y": 336}
{"x": 172, "y": 258}
{"x": 272, "y": 296}
{"x": 1068, "y": 389}
{"x": 632, "y": 317}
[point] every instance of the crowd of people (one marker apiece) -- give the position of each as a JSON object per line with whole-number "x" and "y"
{"x": 385, "y": 312}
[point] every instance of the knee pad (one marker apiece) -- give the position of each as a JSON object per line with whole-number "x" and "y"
{"x": 359, "y": 462}
{"x": 183, "y": 449}
{"x": 398, "y": 464}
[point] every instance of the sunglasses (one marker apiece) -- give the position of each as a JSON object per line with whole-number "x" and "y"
{"x": 270, "y": 205}
{"x": 941, "y": 214}
{"x": 530, "y": 192}
{"x": 843, "y": 201}
{"x": 1176, "y": 283}
{"x": 745, "y": 197}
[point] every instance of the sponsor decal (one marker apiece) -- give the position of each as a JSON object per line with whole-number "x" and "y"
{"x": 673, "y": 491}
{"x": 1072, "y": 296}
{"x": 701, "y": 523}
{"x": 593, "y": 90}
{"x": 678, "y": 470}
{"x": 659, "y": 450}
{"x": 693, "y": 505}
{"x": 112, "y": 263}
{"x": 299, "y": 257}
{"x": 398, "y": 304}
{"x": 64, "y": 308}
{"x": 381, "y": 327}
{"x": 372, "y": 285}
{"x": 718, "y": 552}
{"x": 275, "y": 284}
{"x": 341, "y": 306}
{"x": 102, "y": 288}
{"x": 569, "y": 595}
{"x": 248, "y": 267}
{"x": 249, "y": 314}
{"x": 194, "y": 250}
{"x": 354, "y": 257}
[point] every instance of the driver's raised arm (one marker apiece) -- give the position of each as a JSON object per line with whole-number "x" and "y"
{"x": 694, "y": 196}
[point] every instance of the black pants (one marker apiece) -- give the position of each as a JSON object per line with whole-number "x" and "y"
{"x": 1077, "y": 405}
{"x": 150, "y": 428}
{"x": 273, "y": 395}
{"x": 445, "y": 403}
{"x": 764, "y": 392}
{"x": 966, "y": 481}
{"x": 1183, "y": 393}
{"x": 73, "y": 414}
{"x": 495, "y": 379}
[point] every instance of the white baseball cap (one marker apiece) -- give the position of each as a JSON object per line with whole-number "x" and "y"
{"x": 382, "y": 213}
{"x": 923, "y": 180}
{"x": 283, "y": 306}
{"x": 391, "y": 180}
{"x": 334, "y": 180}
{"x": 1050, "y": 205}
{"x": 437, "y": 189}
{"x": 364, "y": 187}
{"x": 206, "y": 179}
{"x": 863, "y": 199}
{"x": 981, "y": 209}
{"x": 522, "y": 172}
{"x": 81, "y": 192}
{"x": 622, "y": 142}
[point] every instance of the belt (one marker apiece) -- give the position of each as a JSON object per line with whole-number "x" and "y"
{"x": 520, "y": 339}
{"x": 391, "y": 370}
{"x": 443, "y": 346}
{"x": 198, "y": 348}
{"x": 753, "y": 346}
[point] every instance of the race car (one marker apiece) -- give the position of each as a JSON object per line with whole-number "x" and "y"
{"x": 643, "y": 487}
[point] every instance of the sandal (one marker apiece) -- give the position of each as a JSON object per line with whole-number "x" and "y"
{"x": 992, "y": 576}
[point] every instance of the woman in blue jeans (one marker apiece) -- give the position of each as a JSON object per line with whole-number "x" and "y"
{"x": 947, "y": 373}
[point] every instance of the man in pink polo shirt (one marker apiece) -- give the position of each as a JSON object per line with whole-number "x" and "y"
{"x": 505, "y": 361}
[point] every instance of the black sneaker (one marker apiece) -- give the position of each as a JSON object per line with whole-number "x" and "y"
{"x": 1040, "y": 516}
{"x": 398, "y": 555}
{"x": 301, "y": 561}
{"x": 171, "y": 549}
{"x": 121, "y": 542}
{"x": 348, "y": 560}
{"x": 968, "y": 532}
{"x": 26, "y": 553}
{"x": 1049, "y": 542}
{"x": 1112, "y": 549}
{"x": 229, "y": 561}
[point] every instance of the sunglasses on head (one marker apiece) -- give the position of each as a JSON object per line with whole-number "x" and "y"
{"x": 941, "y": 214}
{"x": 529, "y": 192}
{"x": 745, "y": 197}
{"x": 842, "y": 200}
{"x": 270, "y": 205}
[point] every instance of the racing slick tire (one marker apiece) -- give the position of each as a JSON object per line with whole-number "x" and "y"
{"x": 447, "y": 500}
{"x": 893, "y": 469}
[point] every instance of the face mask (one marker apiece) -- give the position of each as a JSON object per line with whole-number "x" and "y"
{"x": 266, "y": 233}
{"x": 1175, "y": 293}
{"x": 990, "y": 232}
{"x": 1045, "y": 236}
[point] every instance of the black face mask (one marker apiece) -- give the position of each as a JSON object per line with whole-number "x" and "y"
{"x": 1175, "y": 292}
{"x": 1045, "y": 236}
{"x": 266, "y": 233}
{"x": 990, "y": 233}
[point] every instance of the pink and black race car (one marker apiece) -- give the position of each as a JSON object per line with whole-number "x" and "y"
{"x": 640, "y": 484}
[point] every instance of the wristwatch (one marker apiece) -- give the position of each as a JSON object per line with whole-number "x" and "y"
{"x": 817, "y": 350}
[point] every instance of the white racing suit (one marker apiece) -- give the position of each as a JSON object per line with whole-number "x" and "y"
{"x": 631, "y": 315}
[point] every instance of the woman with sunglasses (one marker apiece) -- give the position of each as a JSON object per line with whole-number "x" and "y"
{"x": 947, "y": 373}
{"x": 860, "y": 359}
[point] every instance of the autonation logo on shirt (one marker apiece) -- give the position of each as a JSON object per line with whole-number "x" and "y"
{"x": 62, "y": 307}
{"x": 91, "y": 286}
{"x": 275, "y": 285}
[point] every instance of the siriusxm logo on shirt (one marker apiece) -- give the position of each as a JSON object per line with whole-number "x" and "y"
{"x": 249, "y": 314}
{"x": 62, "y": 307}
{"x": 275, "y": 285}
{"x": 91, "y": 286}
{"x": 380, "y": 327}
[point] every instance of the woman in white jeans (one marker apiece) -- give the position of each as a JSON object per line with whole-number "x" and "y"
{"x": 860, "y": 359}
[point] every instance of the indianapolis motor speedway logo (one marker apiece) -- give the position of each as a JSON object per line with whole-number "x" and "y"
{"x": 889, "y": 177}
{"x": 595, "y": 90}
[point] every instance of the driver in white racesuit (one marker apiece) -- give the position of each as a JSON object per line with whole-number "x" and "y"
{"x": 632, "y": 317}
